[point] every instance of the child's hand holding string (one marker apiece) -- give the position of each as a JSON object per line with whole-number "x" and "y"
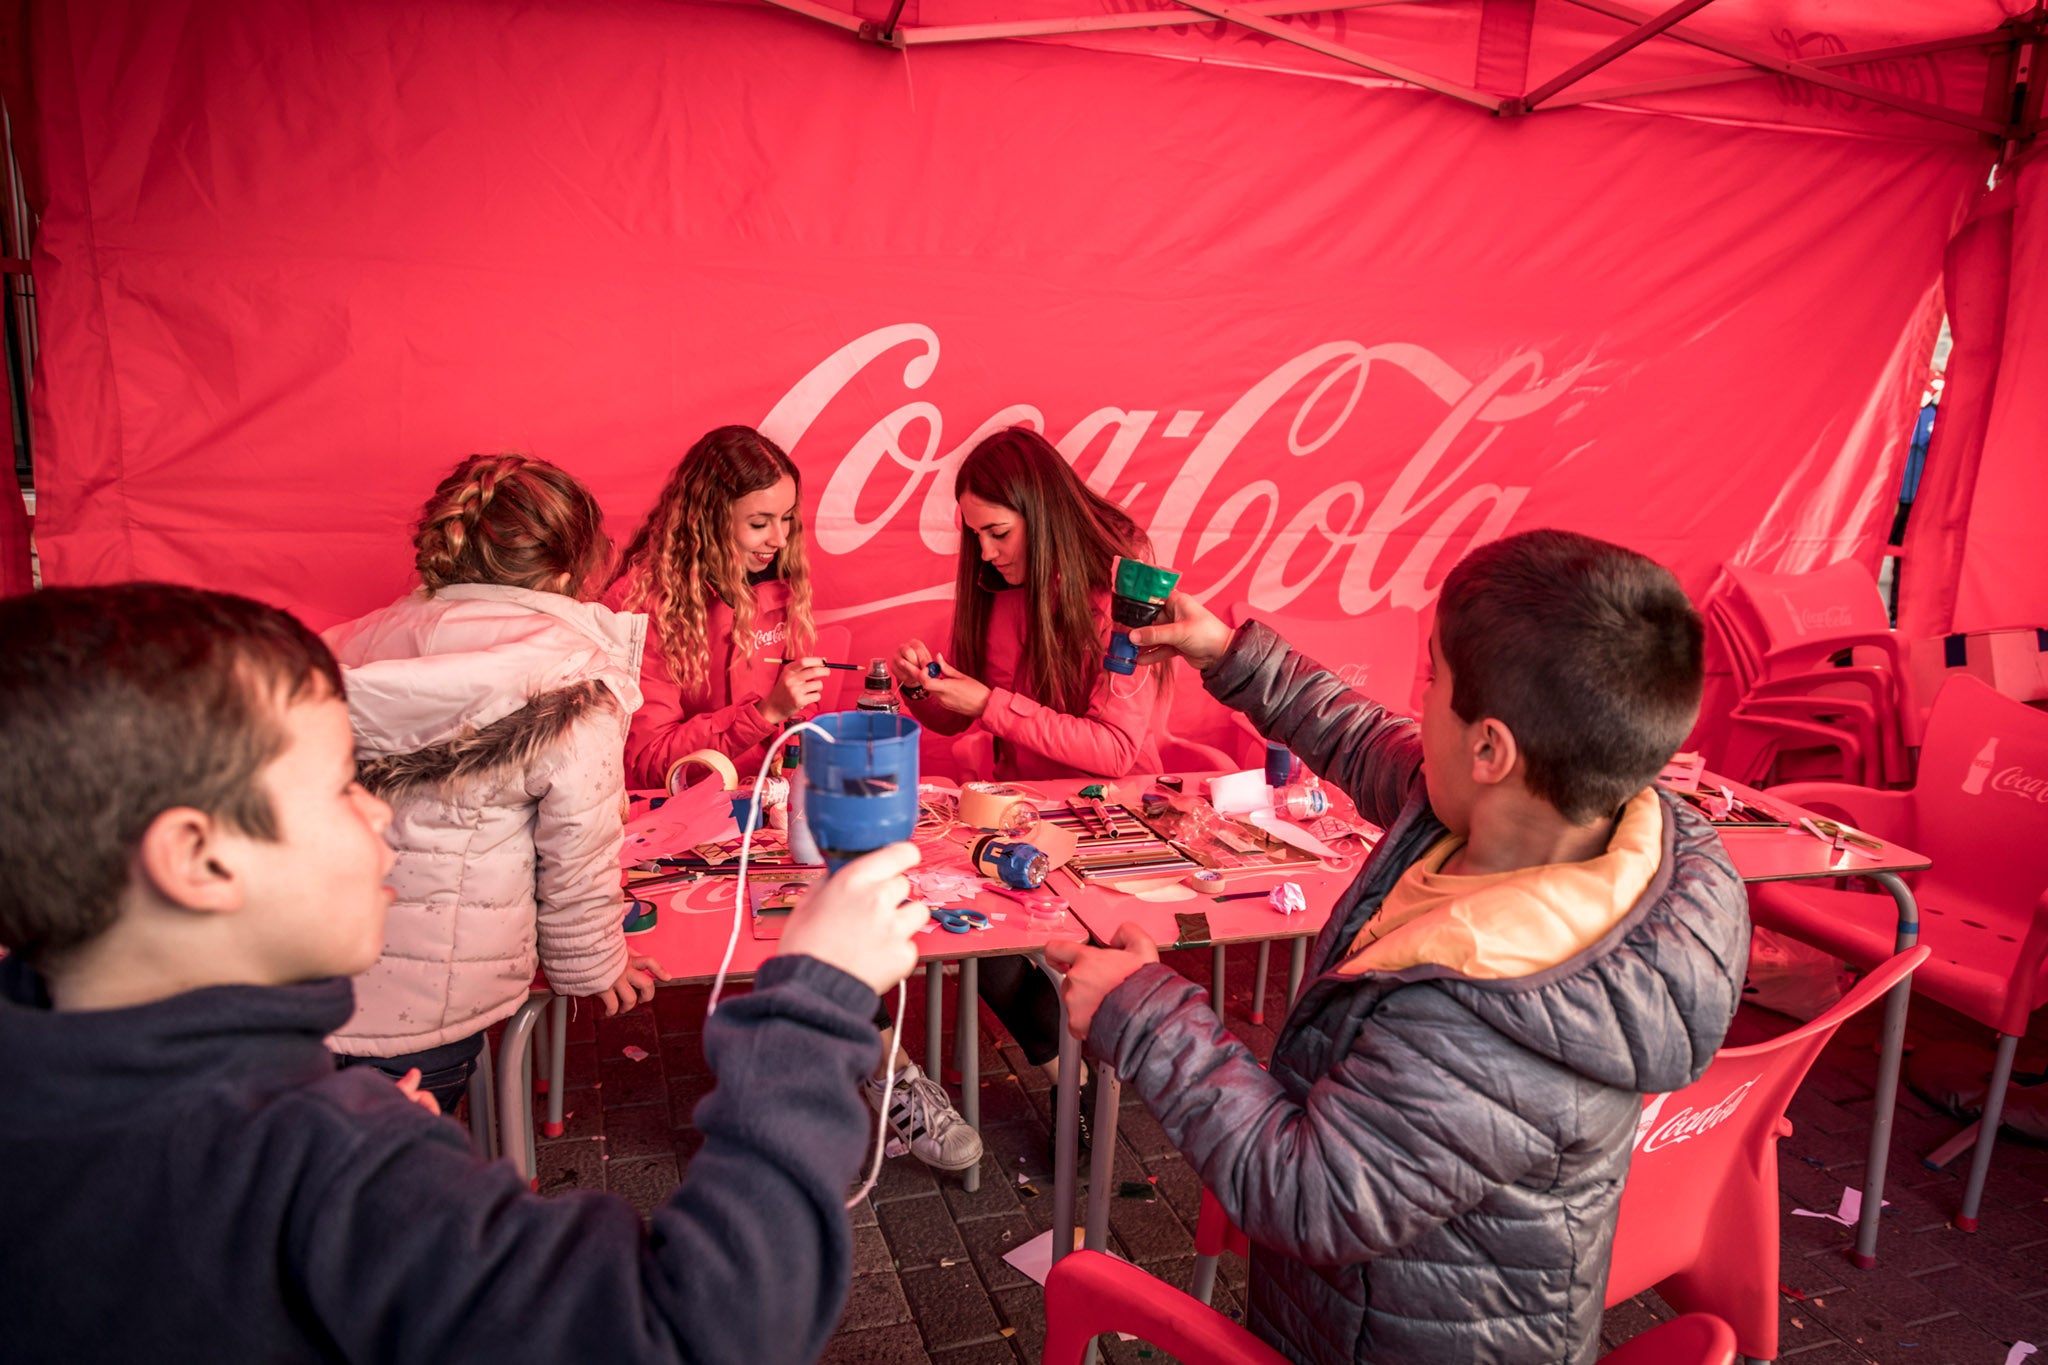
{"x": 858, "y": 919}
{"x": 1186, "y": 628}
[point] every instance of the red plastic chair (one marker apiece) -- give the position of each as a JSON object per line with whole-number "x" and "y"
{"x": 1689, "y": 1339}
{"x": 1980, "y": 811}
{"x": 1375, "y": 655}
{"x": 1699, "y": 1215}
{"x": 1089, "y": 1294}
{"x": 1785, "y": 631}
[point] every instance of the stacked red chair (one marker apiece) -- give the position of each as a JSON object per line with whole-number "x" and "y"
{"x": 1699, "y": 1215}
{"x": 1980, "y": 810}
{"x": 1819, "y": 675}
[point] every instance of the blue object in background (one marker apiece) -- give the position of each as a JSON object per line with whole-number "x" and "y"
{"x": 860, "y": 785}
{"x": 1916, "y": 456}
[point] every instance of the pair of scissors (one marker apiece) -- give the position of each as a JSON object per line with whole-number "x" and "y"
{"x": 959, "y": 921}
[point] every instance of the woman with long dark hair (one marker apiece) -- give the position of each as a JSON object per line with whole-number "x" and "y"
{"x": 1038, "y": 552}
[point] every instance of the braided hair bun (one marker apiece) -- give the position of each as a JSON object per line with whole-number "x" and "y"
{"x": 511, "y": 520}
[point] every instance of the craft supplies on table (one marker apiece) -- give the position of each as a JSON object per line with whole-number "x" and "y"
{"x": 1725, "y": 810}
{"x": 1113, "y": 844}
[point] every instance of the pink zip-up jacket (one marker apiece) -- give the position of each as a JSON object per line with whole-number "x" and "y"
{"x": 1119, "y": 734}
{"x": 719, "y": 715}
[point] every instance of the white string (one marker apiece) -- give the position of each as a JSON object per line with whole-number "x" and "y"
{"x": 739, "y": 903}
{"x": 739, "y": 899}
{"x": 888, "y": 1087}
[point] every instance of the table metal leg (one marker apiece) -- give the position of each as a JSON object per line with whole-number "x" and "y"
{"x": 970, "y": 1058}
{"x": 1216, "y": 980}
{"x": 1259, "y": 982}
{"x": 558, "y": 1063}
{"x": 1066, "y": 1116}
{"x": 1891, "y": 1048}
{"x": 1102, "y": 1163}
{"x": 934, "y": 1018}
{"x": 1297, "y": 964}
{"x": 515, "y": 1087}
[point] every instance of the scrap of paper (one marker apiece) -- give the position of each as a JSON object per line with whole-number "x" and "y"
{"x": 2020, "y": 1351}
{"x": 1034, "y": 1258}
{"x": 1850, "y": 1209}
{"x": 1287, "y": 832}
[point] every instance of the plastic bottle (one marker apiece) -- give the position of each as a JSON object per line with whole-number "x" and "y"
{"x": 876, "y": 692}
{"x": 802, "y": 847}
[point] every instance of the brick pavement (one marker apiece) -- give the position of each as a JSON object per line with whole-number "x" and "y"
{"x": 931, "y": 1284}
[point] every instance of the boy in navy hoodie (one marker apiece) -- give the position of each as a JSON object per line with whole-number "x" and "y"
{"x": 189, "y": 874}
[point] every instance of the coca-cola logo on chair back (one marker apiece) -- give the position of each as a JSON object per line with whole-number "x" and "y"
{"x": 1982, "y": 794}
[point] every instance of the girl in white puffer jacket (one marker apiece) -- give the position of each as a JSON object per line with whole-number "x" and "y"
{"x": 490, "y": 711}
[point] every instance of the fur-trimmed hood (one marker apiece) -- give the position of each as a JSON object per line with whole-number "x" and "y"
{"x": 512, "y": 744}
{"x": 475, "y": 675}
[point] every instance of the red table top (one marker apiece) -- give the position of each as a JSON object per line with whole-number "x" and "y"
{"x": 695, "y": 922}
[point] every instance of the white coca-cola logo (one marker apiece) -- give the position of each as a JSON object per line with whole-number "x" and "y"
{"x": 1808, "y": 619}
{"x": 2014, "y": 781}
{"x": 1425, "y": 511}
{"x": 1827, "y": 618}
{"x": 1687, "y": 1123}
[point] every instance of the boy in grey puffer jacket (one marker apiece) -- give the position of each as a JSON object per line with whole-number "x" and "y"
{"x": 1431, "y": 1168}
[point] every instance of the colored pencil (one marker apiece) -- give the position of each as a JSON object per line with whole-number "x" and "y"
{"x": 849, "y": 668}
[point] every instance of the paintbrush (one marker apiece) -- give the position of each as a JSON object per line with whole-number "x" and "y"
{"x": 826, "y": 663}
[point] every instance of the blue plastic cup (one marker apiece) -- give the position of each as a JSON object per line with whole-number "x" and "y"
{"x": 861, "y": 783}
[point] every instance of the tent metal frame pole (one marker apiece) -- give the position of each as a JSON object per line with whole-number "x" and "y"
{"x": 1578, "y": 71}
{"x": 824, "y": 14}
{"x": 1246, "y": 18}
{"x": 1109, "y": 23}
{"x": 1778, "y": 65}
{"x": 1750, "y": 73}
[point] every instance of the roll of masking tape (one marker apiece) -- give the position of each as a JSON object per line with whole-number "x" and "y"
{"x": 717, "y": 762}
{"x": 997, "y": 808}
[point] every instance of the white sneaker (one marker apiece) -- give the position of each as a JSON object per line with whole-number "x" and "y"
{"x": 924, "y": 1120}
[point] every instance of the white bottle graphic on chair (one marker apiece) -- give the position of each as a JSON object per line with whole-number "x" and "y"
{"x": 1980, "y": 768}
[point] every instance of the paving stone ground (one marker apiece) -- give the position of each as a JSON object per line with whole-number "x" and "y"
{"x": 931, "y": 1284}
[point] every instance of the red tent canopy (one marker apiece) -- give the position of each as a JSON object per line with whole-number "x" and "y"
{"x": 1324, "y": 295}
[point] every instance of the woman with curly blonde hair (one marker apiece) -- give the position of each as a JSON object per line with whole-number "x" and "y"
{"x": 489, "y": 707}
{"x": 719, "y": 568}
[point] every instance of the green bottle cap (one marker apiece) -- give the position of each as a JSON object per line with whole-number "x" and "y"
{"x": 1144, "y": 582}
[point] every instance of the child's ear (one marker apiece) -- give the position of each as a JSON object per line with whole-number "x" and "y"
{"x": 1494, "y": 752}
{"x": 183, "y": 859}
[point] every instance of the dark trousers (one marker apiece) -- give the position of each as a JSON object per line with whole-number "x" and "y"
{"x": 444, "y": 1070}
{"x": 1022, "y": 997}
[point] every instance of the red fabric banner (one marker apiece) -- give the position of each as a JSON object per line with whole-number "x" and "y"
{"x": 297, "y": 259}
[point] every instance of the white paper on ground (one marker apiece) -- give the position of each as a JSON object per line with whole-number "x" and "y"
{"x": 1034, "y": 1258}
{"x": 2020, "y": 1351}
{"x": 1287, "y": 832}
{"x": 1846, "y": 1213}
